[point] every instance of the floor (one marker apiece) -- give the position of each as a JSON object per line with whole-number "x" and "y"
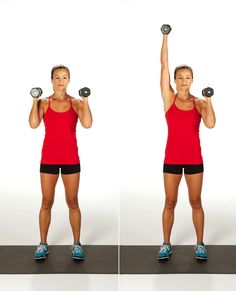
{"x": 111, "y": 282}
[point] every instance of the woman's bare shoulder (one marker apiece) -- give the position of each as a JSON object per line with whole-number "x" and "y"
{"x": 43, "y": 103}
{"x": 44, "y": 100}
{"x": 199, "y": 100}
{"x": 76, "y": 102}
{"x": 200, "y": 103}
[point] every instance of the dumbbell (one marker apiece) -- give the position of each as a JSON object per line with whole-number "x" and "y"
{"x": 36, "y": 92}
{"x": 84, "y": 92}
{"x": 166, "y": 29}
{"x": 207, "y": 92}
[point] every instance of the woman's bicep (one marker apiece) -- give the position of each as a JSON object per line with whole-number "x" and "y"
{"x": 79, "y": 109}
{"x": 41, "y": 106}
{"x": 203, "y": 111}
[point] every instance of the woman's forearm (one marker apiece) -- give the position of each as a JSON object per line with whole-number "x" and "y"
{"x": 34, "y": 114}
{"x": 210, "y": 118}
{"x": 164, "y": 51}
{"x": 86, "y": 119}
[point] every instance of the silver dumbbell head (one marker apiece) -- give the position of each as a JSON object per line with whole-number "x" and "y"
{"x": 166, "y": 29}
{"x": 36, "y": 92}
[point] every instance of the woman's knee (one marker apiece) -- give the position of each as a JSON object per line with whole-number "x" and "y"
{"x": 196, "y": 203}
{"x": 170, "y": 203}
{"x": 72, "y": 203}
{"x": 47, "y": 203}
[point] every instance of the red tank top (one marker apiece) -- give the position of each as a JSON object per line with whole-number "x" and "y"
{"x": 183, "y": 143}
{"x": 60, "y": 144}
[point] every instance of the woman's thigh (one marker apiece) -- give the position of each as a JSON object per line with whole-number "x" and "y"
{"x": 71, "y": 184}
{"x": 48, "y": 184}
{"x": 194, "y": 183}
{"x": 171, "y": 183}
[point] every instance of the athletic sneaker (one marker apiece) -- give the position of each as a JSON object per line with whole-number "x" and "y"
{"x": 41, "y": 252}
{"x": 165, "y": 251}
{"x": 77, "y": 251}
{"x": 201, "y": 252}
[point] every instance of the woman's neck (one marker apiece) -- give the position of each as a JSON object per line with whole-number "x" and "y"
{"x": 183, "y": 95}
{"x": 60, "y": 96}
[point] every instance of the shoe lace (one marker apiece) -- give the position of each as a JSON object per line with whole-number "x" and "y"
{"x": 164, "y": 248}
{"x": 201, "y": 249}
{"x": 41, "y": 248}
{"x": 77, "y": 249}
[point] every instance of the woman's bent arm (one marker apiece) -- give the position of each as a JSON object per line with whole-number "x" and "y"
{"x": 36, "y": 113}
{"x": 84, "y": 113}
{"x": 208, "y": 114}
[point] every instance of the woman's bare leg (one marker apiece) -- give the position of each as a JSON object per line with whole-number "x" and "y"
{"x": 48, "y": 184}
{"x": 171, "y": 183}
{"x": 194, "y": 183}
{"x": 71, "y": 183}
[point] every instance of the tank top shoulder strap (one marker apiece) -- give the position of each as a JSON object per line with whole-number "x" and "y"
{"x": 70, "y": 99}
{"x": 49, "y": 101}
{"x": 193, "y": 98}
{"x": 48, "y": 104}
{"x": 175, "y": 96}
{"x": 172, "y": 104}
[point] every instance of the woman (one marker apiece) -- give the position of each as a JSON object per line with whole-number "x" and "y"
{"x": 60, "y": 113}
{"x": 183, "y": 114}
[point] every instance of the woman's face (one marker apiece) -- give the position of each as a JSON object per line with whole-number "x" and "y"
{"x": 60, "y": 80}
{"x": 183, "y": 80}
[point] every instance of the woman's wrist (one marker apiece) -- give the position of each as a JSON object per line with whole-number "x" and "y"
{"x": 85, "y": 100}
{"x": 208, "y": 100}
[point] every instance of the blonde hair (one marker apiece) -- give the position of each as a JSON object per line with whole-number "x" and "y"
{"x": 183, "y": 67}
{"x": 58, "y": 67}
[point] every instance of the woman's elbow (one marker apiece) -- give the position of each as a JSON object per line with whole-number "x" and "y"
{"x": 33, "y": 124}
{"x": 210, "y": 125}
{"x": 87, "y": 125}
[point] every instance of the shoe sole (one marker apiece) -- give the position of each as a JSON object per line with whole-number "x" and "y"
{"x": 78, "y": 258}
{"x": 201, "y": 258}
{"x": 165, "y": 258}
{"x": 42, "y": 258}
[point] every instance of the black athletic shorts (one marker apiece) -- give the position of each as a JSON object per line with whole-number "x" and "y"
{"x": 178, "y": 169}
{"x": 54, "y": 169}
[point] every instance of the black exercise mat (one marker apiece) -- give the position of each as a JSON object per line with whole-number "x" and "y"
{"x": 99, "y": 259}
{"x": 142, "y": 260}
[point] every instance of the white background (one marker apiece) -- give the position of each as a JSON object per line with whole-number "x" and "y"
{"x": 113, "y": 46}
{"x": 202, "y": 38}
{"x": 37, "y": 35}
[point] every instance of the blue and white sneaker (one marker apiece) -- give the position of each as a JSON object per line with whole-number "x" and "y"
{"x": 41, "y": 252}
{"x": 77, "y": 251}
{"x": 165, "y": 252}
{"x": 200, "y": 251}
